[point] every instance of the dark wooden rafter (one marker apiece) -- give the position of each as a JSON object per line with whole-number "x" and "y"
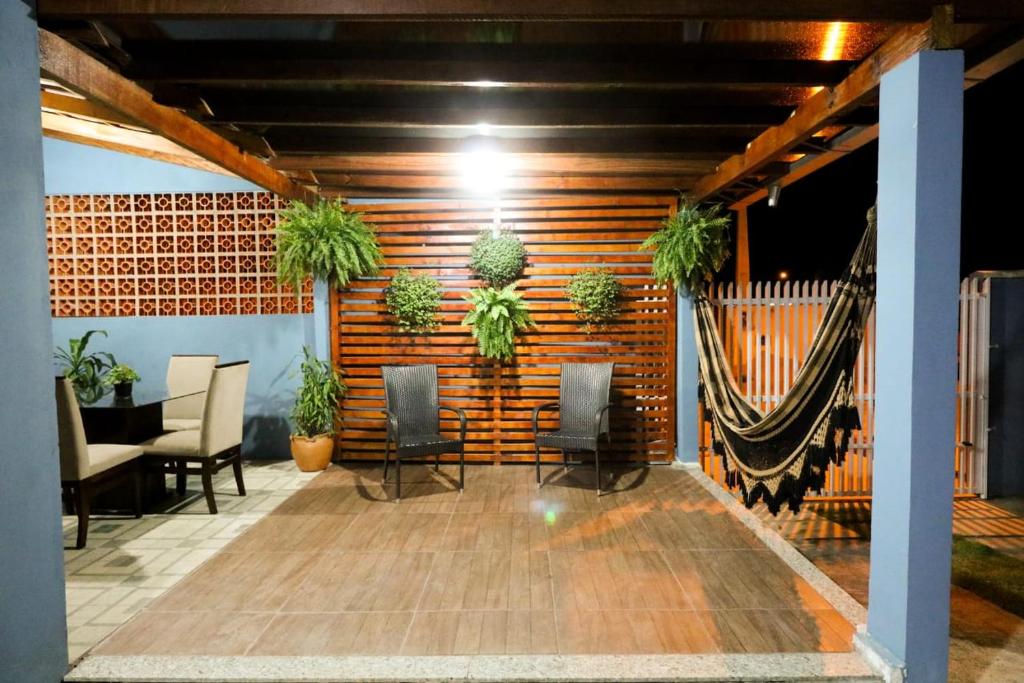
{"x": 573, "y": 183}
{"x": 81, "y": 73}
{"x": 523, "y": 10}
{"x": 819, "y": 111}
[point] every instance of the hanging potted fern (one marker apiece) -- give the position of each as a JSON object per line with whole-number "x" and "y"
{"x": 326, "y": 242}
{"x": 594, "y": 294}
{"x": 497, "y": 316}
{"x": 414, "y": 300}
{"x": 690, "y": 247}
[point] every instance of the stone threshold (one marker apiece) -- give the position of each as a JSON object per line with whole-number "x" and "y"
{"x": 849, "y": 667}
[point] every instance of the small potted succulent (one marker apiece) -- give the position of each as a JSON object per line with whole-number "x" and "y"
{"x": 314, "y": 413}
{"x": 121, "y": 377}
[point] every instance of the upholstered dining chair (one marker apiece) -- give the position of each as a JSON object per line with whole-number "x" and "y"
{"x": 218, "y": 441}
{"x": 584, "y": 390}
{"x": 87, "y": 469}
{"x": 414, "y": 420}
{"x": 185, "y": 374}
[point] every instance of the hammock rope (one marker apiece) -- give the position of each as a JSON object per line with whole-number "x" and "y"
{"x": 780, "y": 455}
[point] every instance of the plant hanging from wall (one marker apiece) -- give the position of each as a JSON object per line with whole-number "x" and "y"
{"x": 498, "y": 257}
{"x": 690, "y": 247}
{"x": 326, "y": 242}
{"x": 594, "y": 294}
{"x": 497, "y": 316}
{"x": 414, "y": 301}
{"x": 85, "y": 370}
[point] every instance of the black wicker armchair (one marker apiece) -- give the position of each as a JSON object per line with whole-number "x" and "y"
{"x": 584, "y": 393}
{"x": 414, "y": 422}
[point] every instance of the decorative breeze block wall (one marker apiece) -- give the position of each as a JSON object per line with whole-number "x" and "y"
{"x": 195, "y": 253}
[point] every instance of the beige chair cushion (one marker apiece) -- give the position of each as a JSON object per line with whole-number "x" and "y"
{"x": 180, "y": 424}
{"x": 103, "y": 456}
{"x": 186, "y": 374}
{"x": 185, "y": 442}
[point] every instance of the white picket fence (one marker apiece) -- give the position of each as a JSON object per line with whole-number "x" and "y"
{"x": 766, "y": 330}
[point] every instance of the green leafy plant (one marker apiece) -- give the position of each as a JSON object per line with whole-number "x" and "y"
{"x": 690, "y": 247}
{"x": 497, "y": 316}
{"x": 414, "y": 301}
{"x": 85, "y": 370}
{"x": 594, "y": 294}
{"x": 121, "y": 374}
{"x": 326, "y": 242}
{"x": 498, "y": 259}
{"x": 316, "y": 401}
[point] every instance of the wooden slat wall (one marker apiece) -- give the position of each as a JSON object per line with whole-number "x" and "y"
{"x": 562, "y": 236}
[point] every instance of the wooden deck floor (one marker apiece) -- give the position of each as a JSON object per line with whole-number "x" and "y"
{"x": 657, "y": 567}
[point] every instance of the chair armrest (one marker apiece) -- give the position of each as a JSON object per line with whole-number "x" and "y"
{"x": 392, "y": 425}
{"x": 462, "y": 420}
{"x": 536, "y": 413}
{"x": 598, "y": 415}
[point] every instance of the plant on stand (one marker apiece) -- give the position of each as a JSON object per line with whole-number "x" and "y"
{"x": 314, "y": 413}
{"x": 121, "y": 377}
{"x": 497, "y": 316}
{"x": 85, "y": 370}
{"x": 690, "y": 247}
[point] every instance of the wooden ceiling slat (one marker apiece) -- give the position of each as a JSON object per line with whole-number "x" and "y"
{"x": 523, "y": 10}
{"x": 343, "y": 181}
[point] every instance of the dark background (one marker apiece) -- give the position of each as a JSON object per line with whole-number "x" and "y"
{"x": 813, "y": 231}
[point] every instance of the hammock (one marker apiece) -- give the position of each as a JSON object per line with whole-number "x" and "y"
{"x": 780, "y": 455}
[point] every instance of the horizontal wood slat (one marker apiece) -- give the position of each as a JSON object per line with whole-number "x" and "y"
{"x": 562, "y": 236}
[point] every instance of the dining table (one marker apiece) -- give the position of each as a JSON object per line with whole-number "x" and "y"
{"x": 131, "y": 420}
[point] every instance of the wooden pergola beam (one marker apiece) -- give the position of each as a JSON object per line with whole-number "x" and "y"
{"x": 818, "y": 111}
{"x": 521, "y": 10}
{"x": 426, "y": 183}
{"x": 81, "y": 73}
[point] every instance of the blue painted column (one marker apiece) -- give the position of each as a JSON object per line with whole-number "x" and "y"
{"x": 687, "y": 425}
{"x": 318, "y": 325}
{"x": 919, "y": 169}
{"x": 33, "y": 645}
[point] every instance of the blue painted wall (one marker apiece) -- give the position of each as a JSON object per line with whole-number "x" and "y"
{"x": 33, "y": 640}
{"x": 271, "y": 342}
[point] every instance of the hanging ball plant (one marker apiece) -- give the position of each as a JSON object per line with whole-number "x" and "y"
{"x": 326, "y": 242}
{"x": 497, "y": 316}
{"x": 498, "y": 258}
{"x": 414, "y": 301}
{"x": 690, "y": 247}
{"x": 594, "y": 294}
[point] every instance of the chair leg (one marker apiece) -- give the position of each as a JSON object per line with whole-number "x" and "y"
{"x": 179, "y": 476}
{"x": 387, "y": 458}
{"x": 137, "y": 489}
{"x": 207, "y": 475}
{"x": 437, "y": 461}
{"x": 462, "y": 467}
{"x": 565, "y": 461}
{"x": 398, "y": 478}
{"x": 536, "y": 450}
{"x": 236, "y": 466}
{"x": 597, "y": 467}
{"x": 83, "y": 499}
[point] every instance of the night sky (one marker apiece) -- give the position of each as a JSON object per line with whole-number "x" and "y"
{"x": 813, "y": 231}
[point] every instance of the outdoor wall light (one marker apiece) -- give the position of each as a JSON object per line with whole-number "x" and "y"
{"x": 483, "y": 128}
{"x": 774, "y": 190}
{"x": 484, "y": 171}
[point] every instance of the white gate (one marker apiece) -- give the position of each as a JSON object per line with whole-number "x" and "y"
{"x": 766, "y": 330}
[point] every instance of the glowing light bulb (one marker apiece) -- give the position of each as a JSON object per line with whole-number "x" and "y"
{"x": 835, "y": 41}
{"x": 484, "y": 171}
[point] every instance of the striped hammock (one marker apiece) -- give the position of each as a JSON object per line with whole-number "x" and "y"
{"x": 780, "y": 455}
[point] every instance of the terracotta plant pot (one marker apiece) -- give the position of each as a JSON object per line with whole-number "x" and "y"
{"x": 312, "y": 454}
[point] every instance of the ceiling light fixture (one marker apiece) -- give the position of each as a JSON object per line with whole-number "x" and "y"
{"x": 483, "y": 128}
{"x": 835, "y": 41}
{"x": 484, "y": 171}
{"x": 774, "y": 190}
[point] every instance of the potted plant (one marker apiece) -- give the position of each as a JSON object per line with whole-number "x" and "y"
{"x": 497, "y": 316}
{"x": 498, "y": 257}
{"x": 314, "y": 412}
{"x": 121, "y": 377}
{"x": 690, "y": 247}
{"x": 414, "y": 301}
{"x": 85, "y": 370}
{"x": 326, "y": 242}
{"x": 594, "y": 294}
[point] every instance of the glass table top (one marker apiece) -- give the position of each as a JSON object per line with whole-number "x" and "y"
{"x": 142, "y": 395}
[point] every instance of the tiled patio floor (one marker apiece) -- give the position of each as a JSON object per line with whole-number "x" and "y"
{"x": 128, "y": 562}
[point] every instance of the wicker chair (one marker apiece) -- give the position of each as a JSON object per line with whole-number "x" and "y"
{"x": 414, "y": 421}
{"x": 584, "y": 392}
